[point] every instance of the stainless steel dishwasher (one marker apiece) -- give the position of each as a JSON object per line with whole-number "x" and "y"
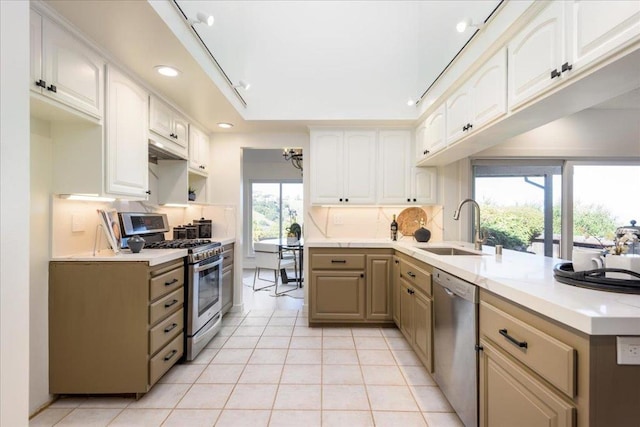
{"x": 455, "y": 338}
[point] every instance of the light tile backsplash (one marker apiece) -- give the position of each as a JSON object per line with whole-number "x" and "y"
{"x": 363, "y": 222}
{"x": 67, "y": 242}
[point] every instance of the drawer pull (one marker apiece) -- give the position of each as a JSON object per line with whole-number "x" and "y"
{"x": 338, "y": 261}
{"x": 521, "y": 344}
{"x": 171, "y": 282}
{"x": 170, "y": 328}
{"x": 169, "y": 304}
{"x": 170, "y": 355}
{"x": 410, "y": 274}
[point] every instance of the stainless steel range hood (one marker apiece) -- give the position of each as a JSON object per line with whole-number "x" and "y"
{"x": 157, "y": 151}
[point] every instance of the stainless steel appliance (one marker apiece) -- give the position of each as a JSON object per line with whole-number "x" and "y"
{"x": 203, "y": 270}
{"x": 455, "y": 343}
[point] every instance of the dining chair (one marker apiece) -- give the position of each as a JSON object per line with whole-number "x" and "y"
{"x": 270, "y": 256}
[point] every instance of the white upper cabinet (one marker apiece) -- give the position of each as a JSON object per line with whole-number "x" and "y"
{"x": 167, "y": 123}
{"x": 488, "y": 88}
{"x": 398, "y": 182}
{"x": 435, "y": 133}
{"x": 394, "y": 164}
{"x": 480, "y": 100}
{"x": 536, "y": 54}
{"x": 596, "y": 28}
{"x": 565, "y": 39}
{"x": 343, "y": 167}
{"x": 423, "y": 185}
{"x": 126, "y": 136}
{"x": 64, "y": 69}
{"x": 198, "y": 151}
{"x": 458, "y": 114}
{"x": 359, "y": 167}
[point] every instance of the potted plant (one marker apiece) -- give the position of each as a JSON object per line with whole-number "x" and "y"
{"x": 294, "y": 231}
{"x": 192, "y": 194}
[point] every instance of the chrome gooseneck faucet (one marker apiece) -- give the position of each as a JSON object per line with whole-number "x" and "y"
{"x": 478, "y": 239}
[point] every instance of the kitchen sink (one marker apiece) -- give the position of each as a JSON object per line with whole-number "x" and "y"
{"x": 449, "y": 251}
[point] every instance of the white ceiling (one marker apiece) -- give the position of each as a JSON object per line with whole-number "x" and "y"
{"x": 309, "y": 62}
{"x": 334, "y": 60}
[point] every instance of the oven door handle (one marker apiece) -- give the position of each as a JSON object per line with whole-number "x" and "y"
{"x": 201, "y": 267}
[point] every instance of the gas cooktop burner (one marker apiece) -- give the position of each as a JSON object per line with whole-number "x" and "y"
{"x": 181, "y": 244}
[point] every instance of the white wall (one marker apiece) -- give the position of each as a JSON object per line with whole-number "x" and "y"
{"x": 226, "y": 180}
{"x": 39, "y": 255}
{"x": 14, "y": 213}
{"x": 591, "y": 133}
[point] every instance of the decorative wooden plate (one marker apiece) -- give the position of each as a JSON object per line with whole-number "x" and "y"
{"x": 409, "y": 220}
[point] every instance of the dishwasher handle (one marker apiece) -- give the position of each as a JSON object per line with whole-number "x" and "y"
{"x": 454, "y": 286}
{"x": 448, "y": 291}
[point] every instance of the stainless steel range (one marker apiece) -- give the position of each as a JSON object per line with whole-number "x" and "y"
{"x": 203, "y": 268}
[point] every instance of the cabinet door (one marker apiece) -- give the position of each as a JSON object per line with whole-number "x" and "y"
{"x": 423, "y": 185}
{"x": 198, "y": 150}
{"x": 379, "y": 279}
{"x": 227, "y": 289}
{"x": 73, "y": 69}
{"x": 511, "y": 396}
{"x": 394, "y": 164}
{"x": 337, "y": 295}
{"x": 534, "y": 53}
{"x": 406, "y": 310}
{"x": 596, "y": 28}
{"x": 180, "y": 130}
{"x": 160, "y": 118}
{"x": 458, "y": 114}
{"x": 359, "y": 153}
{"x": 395, "y": 284}
{"x": 326, "y": 167}
{"x": 423, "y": 337}
{"x": 35, "y": 33}
{"x": 489, "y": 91}
{"x": 421, "y": 141}
{"x": 126, "y": 136}
{"x": 436, "y": 131}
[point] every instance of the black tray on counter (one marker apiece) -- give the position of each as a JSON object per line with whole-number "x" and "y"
{"x": 595, "y": 279}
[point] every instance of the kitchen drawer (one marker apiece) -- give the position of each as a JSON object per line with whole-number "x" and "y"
{"x": 553, "y": 360}
{"x": 165, "y": 283}
{"x": 227, "y": 258}
{"x": 166, "y": 305}
{"x": 337, "y": 262}
{"x": 416, "y": 276}
{"x": 162, "y": 333}
{"x": 165, "y": 359}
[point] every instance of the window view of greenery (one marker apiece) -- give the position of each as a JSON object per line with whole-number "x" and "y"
{"x": 512, "y": 211}
{"x": 512, "y": 208}
{"x": 605, "y": 198}
{"x": 275, "y": 206}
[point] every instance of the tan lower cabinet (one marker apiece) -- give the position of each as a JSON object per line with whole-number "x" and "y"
{"x": 337, "y": 296}
{"x": 114, "y": 327}
{"x": 227, "y": 277}
{"x": 512, "y": 397}
{"x": 350, "y": 285}
{"x": 414, "y": 306}
{"x": 537, "y": 372}
{"x": 395, "y": 290}
{"x": 379, "y": 297}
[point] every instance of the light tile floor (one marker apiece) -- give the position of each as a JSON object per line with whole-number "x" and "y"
{"x": 268, "y": 368}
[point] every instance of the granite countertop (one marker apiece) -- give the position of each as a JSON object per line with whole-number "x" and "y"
{"x": 525, "y": 279}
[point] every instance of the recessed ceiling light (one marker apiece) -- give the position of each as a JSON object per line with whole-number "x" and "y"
{"x": 225, "y": 125}
{"x": 165, "y": 70}
{"x": 411, "y": 102}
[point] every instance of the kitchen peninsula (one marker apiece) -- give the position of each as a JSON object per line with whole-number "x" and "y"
{"x": 561, "y": 366}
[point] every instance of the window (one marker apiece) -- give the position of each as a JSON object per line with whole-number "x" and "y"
{"x": 520, "y": 204}
{"x": 605, "y": 197}
{"x": 274, "y": 207}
